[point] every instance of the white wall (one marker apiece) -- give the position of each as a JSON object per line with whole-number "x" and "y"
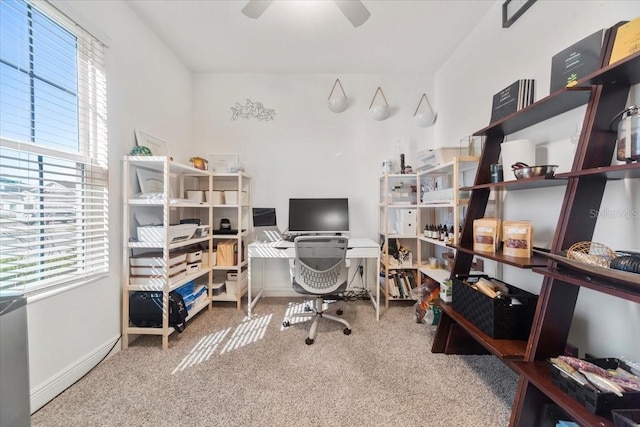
{"x": 307, "y": 150}
{"x": 147, "y": 88}
{"x": 489, "y": 60}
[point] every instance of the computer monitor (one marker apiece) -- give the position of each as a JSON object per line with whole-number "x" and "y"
{"x": 318, "y": 216}
{"x": 264, "y": 217}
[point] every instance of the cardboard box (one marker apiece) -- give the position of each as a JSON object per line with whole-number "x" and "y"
{"x": 227, "y": 253}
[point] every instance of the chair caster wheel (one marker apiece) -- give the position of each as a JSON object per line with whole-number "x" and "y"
{"x": 347, "y": 331}
{"x": 307, "y": 308}
{"x": 308, "y": 341}
{"x": 339, "y": 312}
{"x": 286, "y": 324}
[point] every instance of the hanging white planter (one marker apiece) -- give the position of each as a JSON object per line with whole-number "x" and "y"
{"x": 337, "y": 103}
{"x": 424, "y": 118}
{"x": 381, "y": 111}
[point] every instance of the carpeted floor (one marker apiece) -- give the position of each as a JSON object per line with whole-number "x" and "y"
{"x": 225, "y": 370}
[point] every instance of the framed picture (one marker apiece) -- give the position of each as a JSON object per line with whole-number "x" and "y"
{"x": 513, "y": 9}
{"x": 220, "y": 162}
{"x": 151, "y": 183}
{"x": 157, "y": 146}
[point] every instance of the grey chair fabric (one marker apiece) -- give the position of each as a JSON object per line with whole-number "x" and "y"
{"x": 320, "y": 269}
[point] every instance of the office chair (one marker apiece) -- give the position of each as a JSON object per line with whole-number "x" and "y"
{"x": 320, "y": 269}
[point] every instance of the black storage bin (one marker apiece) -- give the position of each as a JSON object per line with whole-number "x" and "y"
{"x": 596, "y": 402}
{"x": 497, "y": 317}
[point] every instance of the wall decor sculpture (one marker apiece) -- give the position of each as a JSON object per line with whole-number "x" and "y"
{"x": 252, "y": 110}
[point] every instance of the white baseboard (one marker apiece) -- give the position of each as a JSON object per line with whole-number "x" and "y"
{"x": 48, "y": 390}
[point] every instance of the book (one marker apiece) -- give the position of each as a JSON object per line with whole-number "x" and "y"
{"x": 514, "y": 97}
{"x": 627, "y": 41}
{"x": 576, "y": 61}
{"x": 397, "y": 279}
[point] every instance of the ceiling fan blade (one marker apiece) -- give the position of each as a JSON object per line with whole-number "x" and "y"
{"x": 354, "y": 10}
{"x": 255, "y": 8}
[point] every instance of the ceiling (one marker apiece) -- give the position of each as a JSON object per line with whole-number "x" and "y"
{"x": 311, "y": 36}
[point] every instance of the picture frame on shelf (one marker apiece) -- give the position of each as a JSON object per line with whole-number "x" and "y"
{"x": 151, "y": 183}
{"x": 157, "y": 146}
{"x": 220, "y": 163}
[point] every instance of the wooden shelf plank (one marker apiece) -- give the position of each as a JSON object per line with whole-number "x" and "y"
{"x": 503, "y": 349}
{"x": 534, "y": 261}
{"x": 574, "y": 278}
{"x": 521, "y": 184}
{"x": 626, "y": 71}
{"x": 538, "y": 374}
{"x": 628, "y": 170}
{"x": 559, "y": 102}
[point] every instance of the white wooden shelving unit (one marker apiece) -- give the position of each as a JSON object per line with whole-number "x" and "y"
{"x": 398, "y": 220}
{"x": 443, "y": 205}
{"x": 161, "y": 175}
{"x": 239, "y": 213}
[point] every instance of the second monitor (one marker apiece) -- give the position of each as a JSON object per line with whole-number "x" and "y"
{"x": 319, "y": 216}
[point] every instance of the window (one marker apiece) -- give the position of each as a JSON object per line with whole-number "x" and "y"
{"x": 53, "y": 150}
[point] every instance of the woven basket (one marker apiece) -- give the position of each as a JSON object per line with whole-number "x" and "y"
{"x": 591, "y": 253}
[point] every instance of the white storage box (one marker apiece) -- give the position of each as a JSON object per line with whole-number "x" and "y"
{"x": 156, "y": 233}
{"x": 231, "y": 198}
{"x": 195, "y": 195}
{"x": 406, "y": 222}
{"x": 233, "y": 275}
{"x": 194, "y": 268}
{"x": 155, "y": 259}
{"x": 234, "y": 286}
{"x": 158, "y": 270}
{"x": 194, "y": 256}
{"x": 446, "y": 290}
{"x": 217, "y": 197}
{"x": 218, "y": 288}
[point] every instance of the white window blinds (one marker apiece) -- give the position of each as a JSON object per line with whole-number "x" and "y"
{"x": 53, "y": 149}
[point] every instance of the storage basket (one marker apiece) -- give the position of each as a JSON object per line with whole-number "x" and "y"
{"x": 596, "y": 402}
{"x": 508, "y": 318}
{"x": 626, "y": 417}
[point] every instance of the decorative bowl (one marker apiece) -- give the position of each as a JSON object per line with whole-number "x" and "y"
{"x": 523, "y": 171}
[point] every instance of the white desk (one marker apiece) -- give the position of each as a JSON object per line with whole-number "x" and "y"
{"x": 365, "y": 249}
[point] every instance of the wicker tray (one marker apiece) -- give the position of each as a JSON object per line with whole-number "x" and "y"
{"x": 623, "y": 277}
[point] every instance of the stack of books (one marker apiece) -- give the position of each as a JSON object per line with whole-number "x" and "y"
{"x": 513, "y": 98}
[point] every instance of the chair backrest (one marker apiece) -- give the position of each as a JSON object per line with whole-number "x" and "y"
{"x": 320, "y": 266}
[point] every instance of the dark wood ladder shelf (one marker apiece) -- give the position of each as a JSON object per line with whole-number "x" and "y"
{"x": 503, "y": 349}
{"x": 534, "y": 261}
{"x": 538, "y": 374}
{"x": 605, "y": 93}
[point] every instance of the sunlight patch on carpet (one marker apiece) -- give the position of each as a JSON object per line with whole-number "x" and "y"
{"x": 202, "y": 350}
{"x": 249, "y": 331}
{"x": 294, "y": 311}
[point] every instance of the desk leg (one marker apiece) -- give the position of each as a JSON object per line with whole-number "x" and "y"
{"x": 377, "y": 286}
{"x": 249, "y": 263}
{"x": 374, "y": 300}
{"x": 251, "y": 298}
